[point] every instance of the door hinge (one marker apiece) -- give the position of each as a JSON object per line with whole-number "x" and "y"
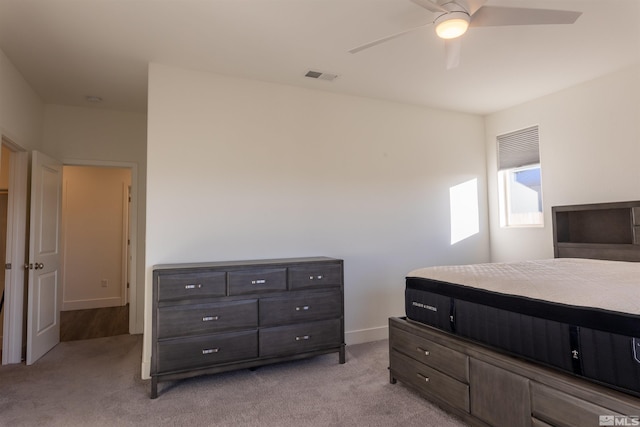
{"x": 127, "y": 285}
{"x": 7, "y": 266}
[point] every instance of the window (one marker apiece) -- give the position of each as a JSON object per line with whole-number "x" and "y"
{"x": 520, "y": 178}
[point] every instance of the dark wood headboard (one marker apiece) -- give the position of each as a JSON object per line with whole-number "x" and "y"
{"x": 608, "y": 231}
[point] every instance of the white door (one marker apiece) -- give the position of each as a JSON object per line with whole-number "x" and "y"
{"x": 44, "y": 293}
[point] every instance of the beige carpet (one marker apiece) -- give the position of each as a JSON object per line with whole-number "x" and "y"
{"x": 97, "y": 383}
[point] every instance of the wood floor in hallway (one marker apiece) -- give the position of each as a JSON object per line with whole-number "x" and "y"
{"x": 94, "y": 323}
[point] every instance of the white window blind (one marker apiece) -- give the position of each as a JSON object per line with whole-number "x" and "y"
{"x": 519, "y": 148}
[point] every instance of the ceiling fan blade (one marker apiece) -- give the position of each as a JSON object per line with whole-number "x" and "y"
{"x": 387, "y": 38}
{"x": 492, "y": 16}
{"x": 433, "y": 7}
{"x": 452, "y": 48}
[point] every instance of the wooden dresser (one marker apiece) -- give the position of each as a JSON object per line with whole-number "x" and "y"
{"x": 221, "y": 316}
{"x": 486, "y": 388}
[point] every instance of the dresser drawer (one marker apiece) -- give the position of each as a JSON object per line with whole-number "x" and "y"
{"x": 425, "y": 351}
{"x": 300, "y": 308}
{"x": 196, "y": 319}
{"x": 562, "y": 410}
{"x": 315, "y": 275}
{"x": 257, "y": 280}
{"x": 286, "y": 340}
{"x": 202, "y": 351}
{"x": 429, "y": 381}
{"x": 206, "y": 284}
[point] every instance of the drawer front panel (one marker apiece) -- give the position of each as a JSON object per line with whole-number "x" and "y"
{"x": 287, "y": 340}
{"x": 499, "y": 397}
{"x": 199, "y": 352}
{"x": 195, "y": 319}
{"x": 562, "y": 410}
{"x": 425, "y": 351}
{"x": 257, "y": 280}
{"x": 173, "y": 286}
{"x": 315, "y": 276}
{"x": 304, "y": 308}
{"x": 429, "y": 381}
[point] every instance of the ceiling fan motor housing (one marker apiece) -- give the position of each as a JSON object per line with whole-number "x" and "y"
{"x": 452, "y": 24}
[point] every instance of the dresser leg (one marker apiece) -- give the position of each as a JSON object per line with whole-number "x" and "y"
{"x": 342, "y": 357}
{"x": 392, "y": 379}
{"x": 154, "y": 387}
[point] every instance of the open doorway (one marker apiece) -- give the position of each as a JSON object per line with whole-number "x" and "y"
{"x": 5, "y": 154}
{"x": 18, "y": 268}
{"x": 95, "y": 252}
{"x": 15, "y": 163}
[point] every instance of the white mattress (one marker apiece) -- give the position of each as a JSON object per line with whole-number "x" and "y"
{"x": 608, "y": 285}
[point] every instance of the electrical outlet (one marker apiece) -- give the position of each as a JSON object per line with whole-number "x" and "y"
{"x": 104, "y": 283}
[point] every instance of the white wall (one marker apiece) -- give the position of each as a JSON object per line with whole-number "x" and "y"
{"x": 78, "y": 135}
{"x": 241, "y": 169}
{"x": 95, "y": 134}
{"x": 589, "y": 151}
{"x": 94, "y": 236}
{"x": 21, "y": 110}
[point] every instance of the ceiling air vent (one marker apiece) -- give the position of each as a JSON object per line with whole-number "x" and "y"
{"x": 320, "y": 75}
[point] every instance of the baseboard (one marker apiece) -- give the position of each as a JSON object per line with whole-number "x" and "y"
{"x": 366, "y": 335}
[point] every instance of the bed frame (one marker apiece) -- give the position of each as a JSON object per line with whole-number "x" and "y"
{"x": 484, "y": 386}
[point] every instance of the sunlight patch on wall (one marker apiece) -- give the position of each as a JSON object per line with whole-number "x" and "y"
{"x": 463, "y": 201}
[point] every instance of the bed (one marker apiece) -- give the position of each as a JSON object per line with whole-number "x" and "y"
{"x": 578, "y": 313}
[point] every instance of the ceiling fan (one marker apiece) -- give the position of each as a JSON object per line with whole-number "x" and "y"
{"x": 454, "y": 17}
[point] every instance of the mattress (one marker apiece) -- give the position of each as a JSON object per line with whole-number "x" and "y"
{"x": 580, "y": 316}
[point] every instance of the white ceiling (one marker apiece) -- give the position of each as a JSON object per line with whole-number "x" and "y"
{"x": 67, "y": 49}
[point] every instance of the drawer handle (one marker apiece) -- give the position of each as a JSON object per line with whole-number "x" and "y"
{"x": 209, "y": 318}
{"x": 422, "y": 350}
{"x": 422, "y": 377}
{"x": 303, "y": 308}
{"x": 199, "y": 286}
{"x": 303, "y": 338}
{"x": 319, "y": 277}
{"x": 258, "y": 282}
{"x": 210, "y": 350}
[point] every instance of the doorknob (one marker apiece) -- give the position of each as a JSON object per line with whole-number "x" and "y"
{"x": 39, "y": 266}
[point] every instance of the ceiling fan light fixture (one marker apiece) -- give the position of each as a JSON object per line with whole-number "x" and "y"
{"x": 452, "y": 24}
